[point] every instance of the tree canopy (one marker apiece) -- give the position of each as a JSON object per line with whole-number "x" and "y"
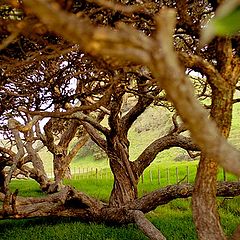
{"x": 67, "y": 65}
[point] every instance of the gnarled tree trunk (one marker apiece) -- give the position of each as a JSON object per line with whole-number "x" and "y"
{"x": 204, "y": 196}
{"x": 125, "y": 182}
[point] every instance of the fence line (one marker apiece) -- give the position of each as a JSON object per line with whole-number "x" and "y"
{"x": 158, "y": 176}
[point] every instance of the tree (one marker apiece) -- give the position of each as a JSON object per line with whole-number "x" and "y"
{"x": 107, "y": 62}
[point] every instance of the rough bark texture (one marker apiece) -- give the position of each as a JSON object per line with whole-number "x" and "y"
{"x": 157, "y": 52}
{"x": 125, "y": 184}
{"x": 146, "y": 226}
{"x": 70, "y": 202}
{"x": 204, "y": 204}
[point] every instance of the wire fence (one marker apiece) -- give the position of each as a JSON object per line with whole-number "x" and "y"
{"x": 160, "y": 176}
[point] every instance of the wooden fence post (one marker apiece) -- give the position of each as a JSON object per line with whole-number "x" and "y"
{"x": 224, "y": 176}
{"x": 159, "y": 176}
{"x": 150, "y": 176}
{"x": 168, "y": 176}
{"x": 187, "y": 174}
{"x": 177, "y": 175}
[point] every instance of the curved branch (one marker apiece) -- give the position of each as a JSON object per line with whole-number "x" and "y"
{"x": 95, "y": 136}
{"x": 164, "y": 195}
{"x": 196, "y": 62}
{"x": 135, "y": 112}
{"x": 163, "y": 143}
{"x": 94, "y": 123}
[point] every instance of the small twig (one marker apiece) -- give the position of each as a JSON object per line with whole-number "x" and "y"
{"x": 180, "y": 181}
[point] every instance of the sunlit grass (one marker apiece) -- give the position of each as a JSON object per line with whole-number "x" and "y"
{"x": 173, "y": 219}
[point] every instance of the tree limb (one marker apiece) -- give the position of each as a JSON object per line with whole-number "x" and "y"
{"x": 163, "y": 143}
{"x": 146, "y": 226}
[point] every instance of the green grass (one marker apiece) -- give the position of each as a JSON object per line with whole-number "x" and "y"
{"x": 154, "y": 177}
{"x": 26, "y": 188}
{"x": 64, "y": 229}
{"x": 173, "y": 219}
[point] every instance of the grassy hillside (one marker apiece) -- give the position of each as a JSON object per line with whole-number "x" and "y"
{"x": 174, "y": 219}
{"x": 234, "y": 137}
{"x": 151, "y": 125}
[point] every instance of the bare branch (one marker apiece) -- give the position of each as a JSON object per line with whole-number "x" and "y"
{"x": 163, "y": 143}
{"x": 146, "y": 226}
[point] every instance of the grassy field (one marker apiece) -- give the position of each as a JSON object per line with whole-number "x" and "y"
{"x": 173, "y": 219}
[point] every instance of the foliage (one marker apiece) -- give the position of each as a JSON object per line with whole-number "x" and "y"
{"x": 90, "y": 69}
{"x": 226, "y": 21}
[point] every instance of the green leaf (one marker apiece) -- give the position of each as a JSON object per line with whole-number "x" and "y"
{"x": 225, "y": 23}
{"x": 229, "y": 24}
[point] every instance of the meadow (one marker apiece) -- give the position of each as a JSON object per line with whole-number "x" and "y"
{"x": 173, "y": 219}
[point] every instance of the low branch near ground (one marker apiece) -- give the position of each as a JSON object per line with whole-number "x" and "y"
{"x": 67, "y": 202}
{"x": 70, "y": 202}
{"x": 164, "y": 195}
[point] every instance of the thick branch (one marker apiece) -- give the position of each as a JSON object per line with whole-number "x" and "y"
{"x": 196, "y": 62}
{"x": 13, "y": 124}
{"x": 163, "y": 143}
{"x": 135, "y": 112}
{"x": 146, "y": 226}
{"x": 69, "y": 134}
{"x": 68, "y": 202}
{"x": 85, "y": 118}
{"x": 95, "y": 136}
{"x": 164, "y": 195}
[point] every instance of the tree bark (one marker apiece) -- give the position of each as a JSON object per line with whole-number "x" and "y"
{"x": 146, "y": 226}
{"x": 204, "y": 204}
{"x": 70, "y": 202}
{"x": 125, "y": 183}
